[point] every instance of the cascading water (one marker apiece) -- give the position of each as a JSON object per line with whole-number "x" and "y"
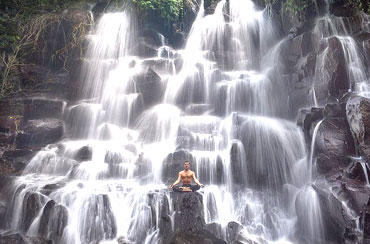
{"x": 105, "y": 181}
{"x": 329, "y": 28}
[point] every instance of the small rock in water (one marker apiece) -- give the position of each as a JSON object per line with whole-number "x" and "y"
{"x": 84, "y": 154}
{"x": 122, "y": 240}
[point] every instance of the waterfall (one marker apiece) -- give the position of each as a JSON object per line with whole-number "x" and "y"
{"x": 108, "y": 176}
{"x": 340, "y": 28}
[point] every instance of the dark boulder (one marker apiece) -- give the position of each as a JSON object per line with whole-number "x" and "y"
{"x": 160, "y": 66}
{"x": 149, "y": 84}
{"x": 201, "y": 236}
{"x": 358, "y": 116}
{"x": 342, "y": 10}
{"x": 189, "y": 214}
{"x": 53, "y": 220}
{"x": 175, "y": 163}
{"x": 357, "y": 171}
{"x": 105, "y": 228}
{"x": 307, "y": 118}
{"x": 32, "y": 204}
{"x": 12, "y": 239}
{"x": 331, "y": 80}
{"x": 334, "y": 145}
{"x": 365, "y": 222}
{"x": 198, "y": 109}
{"x": 152, "y": 37}
{"x": 49, "y": 188}
{"x": 40, "y": 132}
{"x": 84, "y": 153}
{"x": 20, "y": 239}
{"x": 189, "y": 224}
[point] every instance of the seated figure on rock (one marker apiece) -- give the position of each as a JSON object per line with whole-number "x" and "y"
{"x": 186, "y": 177}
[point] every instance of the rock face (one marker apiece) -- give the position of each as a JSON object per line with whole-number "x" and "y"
{"x": 358, "y": 116}
{"x": 189, "y": 224}
{"x": 334, "y": 145}
{"x": 26, "y": 125}
{"x": 53, "y": 221}
{"x": 20, "y": 239}
{"x": 332, "y": 78}
{"x": 150, "y": 86}
{"x": 40, "y": 132}
{"x": 175, "y": 163}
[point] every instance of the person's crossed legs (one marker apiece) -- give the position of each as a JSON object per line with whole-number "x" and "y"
{"x": 186, "y": 188}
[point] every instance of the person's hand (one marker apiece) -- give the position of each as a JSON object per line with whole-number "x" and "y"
{"x": 201, "y": 185}
{"x": 171, "y": 186}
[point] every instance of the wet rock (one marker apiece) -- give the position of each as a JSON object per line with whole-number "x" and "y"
{"x": 233, "y": 230}
{"x": 332, "y": 79}
{"x": 20, "y": 239}
{"x": 356, "y": 171}
{"x": 122, "y": 240}
{"x": 12, "y": 239}
{"x": 365, "y": 222}
{"x": 39, "y": 108}
{"x": 31, "y": 207}
{"x": 178, "y": 39}
{"x": 160, "y": 66}
{"x": 47, "y": 189}
{"x": 358, "y": 116}
{"x": 11, "y": 107}
{"x": 198, "y": 109}
{"x": 202, "y": 236}
{"x": 236, "y": 164}
{"x": 40, "y": 132}
{"x": 189, "y": 214}
{"x": 53, "y": 220}
{"x": 309, "y": 65}
{"x": 332, "y": 212}
{"x": 306, "y": 120}
{"x": 361, "y": 36}
{"x": 342, "y": 10}
{"x": 191, "y": 10}
{"x": 84, "y": 154}
{"x": 152, "y": 37}
{"x": 335, "y": 110}
{"x": 145, "y": 50}
{"x": 37, "y": 240}
{"x": 98, "y": 206}
{"x": 334, "y": 145}
{"x": 149, "y": 84}
{"x": 175, "y": 163}
{"x": 3, "y": 208}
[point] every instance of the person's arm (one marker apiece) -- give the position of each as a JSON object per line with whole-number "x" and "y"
{"x": 176, "y": 182}
{"x": 197, "y": 181}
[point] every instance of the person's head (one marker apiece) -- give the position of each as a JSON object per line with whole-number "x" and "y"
{"x": 187, "y": 165}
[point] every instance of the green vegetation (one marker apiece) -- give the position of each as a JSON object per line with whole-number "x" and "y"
{"x": 362, "y": 5}
{"x": 21, "y": 26}
{"x": 161, "y": 13}
{"x": 168, "y": 10}
{"x": 297, "y": 6}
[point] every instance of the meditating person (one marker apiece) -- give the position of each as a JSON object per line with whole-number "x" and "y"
{"x": 186, "y": 177}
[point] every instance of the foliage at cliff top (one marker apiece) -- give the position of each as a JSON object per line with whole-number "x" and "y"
{"x": 167, "y": 10}
{"x": 298, "y": 6}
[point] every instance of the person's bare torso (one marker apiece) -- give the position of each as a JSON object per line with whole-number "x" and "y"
{"x": 186, "y": 176}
